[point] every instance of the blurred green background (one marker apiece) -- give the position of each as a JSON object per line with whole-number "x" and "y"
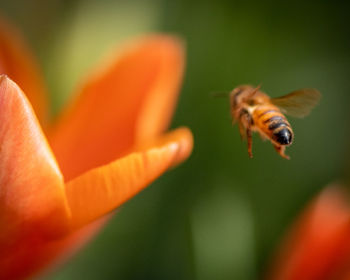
{"x": 220, "y": 215}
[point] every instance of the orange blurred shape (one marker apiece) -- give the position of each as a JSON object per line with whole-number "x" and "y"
{"x": 107, "y": 146}
{"x": 318, "y": 245}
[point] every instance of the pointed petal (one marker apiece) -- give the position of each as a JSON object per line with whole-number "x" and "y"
{"x": 17, "y": 62}
{"x": 319, "y": 244}
{"x": 31, "y": 186}
{"x": 129, "y": 102}
{"x": 103, "y": 189}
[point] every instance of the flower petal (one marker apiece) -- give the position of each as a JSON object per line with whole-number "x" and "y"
{"x": 17, "y": 62}
{"x": 113, "y": 183}
{"x": 129, "y": 102}
{"x": 319, "y": 244}
{"x": 32, "y": 194}
{"x": 103, "y": 189}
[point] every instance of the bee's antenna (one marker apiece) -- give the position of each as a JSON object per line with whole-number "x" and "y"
{"x": 254, "y": 91}
{"x": 220, "y": 94}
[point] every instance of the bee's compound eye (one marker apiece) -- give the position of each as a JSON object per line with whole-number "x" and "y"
{"x": 283, "y": 136}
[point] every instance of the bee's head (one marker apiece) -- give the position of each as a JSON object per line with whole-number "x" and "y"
{"x": 240, "y": 93}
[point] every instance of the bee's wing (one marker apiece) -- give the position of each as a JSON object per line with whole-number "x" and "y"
{"x": 298, "y": 103}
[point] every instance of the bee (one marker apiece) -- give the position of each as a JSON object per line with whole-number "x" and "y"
{"x": 254, "y": 110}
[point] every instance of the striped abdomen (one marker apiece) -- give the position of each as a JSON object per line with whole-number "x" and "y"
{"x": 271, "y": 122}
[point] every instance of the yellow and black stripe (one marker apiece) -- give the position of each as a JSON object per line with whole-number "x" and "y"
{"x": 274, "y": 124}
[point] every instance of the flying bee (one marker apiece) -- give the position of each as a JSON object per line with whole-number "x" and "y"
{"x": 254, "y": 110}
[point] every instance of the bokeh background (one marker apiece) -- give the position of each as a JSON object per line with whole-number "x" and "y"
{"x": 220, "y": 215}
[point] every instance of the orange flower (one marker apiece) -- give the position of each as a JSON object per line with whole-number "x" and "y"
{"x": 105, "y": 147}
{"x": 318, "y": 246}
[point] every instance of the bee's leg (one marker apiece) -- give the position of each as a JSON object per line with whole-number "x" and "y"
{"x": 245, "y": 128}
{"x": 249, "y": 141}
{"x": 242, "y": 131}
{"x": 280, "y": 150}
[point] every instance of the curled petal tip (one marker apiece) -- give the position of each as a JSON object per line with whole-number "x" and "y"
{"x": 184, "y": 146}
{"x": 101, "y": 190}
{"x": 179, "y": 142}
